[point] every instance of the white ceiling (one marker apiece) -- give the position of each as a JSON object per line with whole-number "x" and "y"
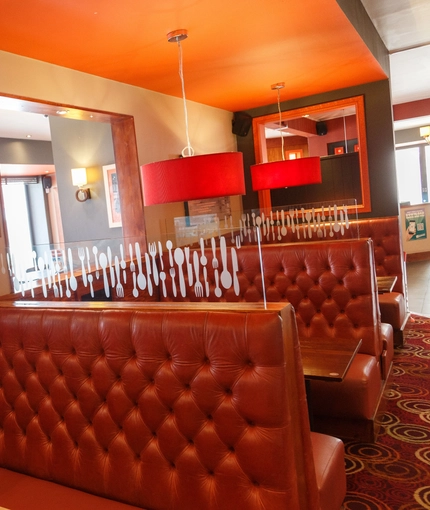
{"x": 404, "y": 26}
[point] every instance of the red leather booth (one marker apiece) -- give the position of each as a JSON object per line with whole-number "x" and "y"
{"x": 332, "y": 287}
{"x": 160, "y": 407}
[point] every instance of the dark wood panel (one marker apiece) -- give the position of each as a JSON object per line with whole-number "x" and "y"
{"x": 340, "y": 181}
{"x": 129, "y": 180}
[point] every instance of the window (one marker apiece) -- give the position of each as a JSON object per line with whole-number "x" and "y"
{"x": 409, "y": 175}
{"x": 17, "y": 219}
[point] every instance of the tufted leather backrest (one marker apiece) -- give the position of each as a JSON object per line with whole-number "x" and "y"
{"x": 163, "y": 409}
{"x": 331, "y": 286}
{"x": 387, "y": 244}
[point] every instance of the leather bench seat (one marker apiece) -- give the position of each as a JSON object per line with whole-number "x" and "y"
{"x": 393, "y": 309}
{"x": 23, "y": 492}
{"x": 387, "y": 348}
{"x": 164, "y": 407}
{"x": 329, "y": 462}
{"x": 356, "y": 397}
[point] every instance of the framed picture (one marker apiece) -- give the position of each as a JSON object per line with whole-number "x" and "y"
{"x": 112, "y": 196}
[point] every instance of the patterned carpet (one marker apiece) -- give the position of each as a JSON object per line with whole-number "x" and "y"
{"x": 394, "y": 473}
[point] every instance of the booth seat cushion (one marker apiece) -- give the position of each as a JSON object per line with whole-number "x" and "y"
{"x": 329, "y": 458}
{"x": 23, "y": 492}
{"x": 355, "y": 397}
{"x": 393, "y": 309}
{"x": 388, "y": 348}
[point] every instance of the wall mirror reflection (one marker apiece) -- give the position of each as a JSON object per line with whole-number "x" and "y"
{"x": 40, "y": 143}
{"x": 334, "y": 131}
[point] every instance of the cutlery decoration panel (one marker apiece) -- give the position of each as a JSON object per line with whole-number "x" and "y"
{"x": 206, "y": 269}
{"x": 158, "y": 271}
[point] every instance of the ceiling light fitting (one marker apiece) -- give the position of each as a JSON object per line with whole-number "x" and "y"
{"x": 191, "y": 177}
{"x": 288, "y": 172}
{"x": 425, "y": 133}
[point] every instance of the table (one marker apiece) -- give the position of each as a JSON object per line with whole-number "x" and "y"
{"x": 326, "y": 358}
{"x": 385, "y": 283}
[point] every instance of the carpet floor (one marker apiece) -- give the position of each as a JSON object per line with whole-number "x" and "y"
{"x": 394, "y": 472}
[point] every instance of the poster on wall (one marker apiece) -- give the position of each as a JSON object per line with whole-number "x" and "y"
{"x": 112, "y": 196}
{"x": 415, "y": 220}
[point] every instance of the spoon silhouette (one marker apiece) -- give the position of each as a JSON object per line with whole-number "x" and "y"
{"x": 72, "y": 280}
{"x": 179, "y": 259}
{"x": 163, "y": 280}
{"x": 103, "y": 264}
{"x": 95, "y": 251}
{"x": 169, "y": 246}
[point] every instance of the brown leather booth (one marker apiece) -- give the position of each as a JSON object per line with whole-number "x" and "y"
{"x": 166, "y": 406}
{"x": 389, "y": 261}
{"x": 332, "y": 287}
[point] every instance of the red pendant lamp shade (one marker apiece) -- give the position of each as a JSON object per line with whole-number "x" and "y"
{"x": 193, "y": 178}
{"x": 288, "y": 173}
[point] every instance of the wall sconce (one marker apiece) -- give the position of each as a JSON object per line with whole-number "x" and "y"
{"x": 425, "y": 133}
{"x": 79, "y": 178}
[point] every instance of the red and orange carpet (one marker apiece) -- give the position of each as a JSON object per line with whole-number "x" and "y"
{"x": 394, "y": 472}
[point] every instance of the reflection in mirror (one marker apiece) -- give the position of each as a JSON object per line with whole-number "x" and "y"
{"x": 334, "y": 131}
{"x": 53, "y": 215}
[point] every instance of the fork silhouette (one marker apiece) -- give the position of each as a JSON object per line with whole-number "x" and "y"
{"x": 81, "y": 254}
{"x": 198, "y": 287}
{"x": 153, "y": 252}
{"x": 214, "y": 259}
{"x": 173, "y": 274}
{"x": 119, "y": 287}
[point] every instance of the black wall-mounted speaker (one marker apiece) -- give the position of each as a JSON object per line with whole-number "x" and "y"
{"x": 321, "y": 128}
{"x": 46, "y": 182}
{"x": 241, "y": 124}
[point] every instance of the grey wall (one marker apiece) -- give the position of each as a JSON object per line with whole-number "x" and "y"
{"x": 77, "y": 143}
{"x": 25, "y": 152}
{"x": 410, "y": 136}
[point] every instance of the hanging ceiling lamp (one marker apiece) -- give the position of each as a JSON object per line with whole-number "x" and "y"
{"x": 192, "y": 177}
{"x": 288, "y": 172}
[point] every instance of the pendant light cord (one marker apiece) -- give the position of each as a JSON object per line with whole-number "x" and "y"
{"x": 188, "y": 150}
{"x": 278, "y": 89}
{"x": 344, "y": 133}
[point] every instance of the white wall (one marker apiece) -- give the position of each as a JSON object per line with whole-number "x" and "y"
{"x": 159, "y": 119}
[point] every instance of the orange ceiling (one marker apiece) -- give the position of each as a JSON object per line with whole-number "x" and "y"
{"x": 235, "y": 50}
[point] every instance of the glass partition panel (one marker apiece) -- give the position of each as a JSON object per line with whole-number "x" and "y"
{"x": 201, "y": 260}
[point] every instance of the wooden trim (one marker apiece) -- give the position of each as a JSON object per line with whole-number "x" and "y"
{"x": 357, "y": 101}
{"x": 129, "y": 179}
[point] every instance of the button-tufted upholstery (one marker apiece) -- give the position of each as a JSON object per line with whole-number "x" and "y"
{"x": 159, "y": 408}
{"x": 332, "y": 287}
{"x": 389, "y": 261}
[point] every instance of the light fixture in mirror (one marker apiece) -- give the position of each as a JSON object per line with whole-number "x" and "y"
{"x": 425, "y": 133}
{"x": 79, "y": 178}
{"x": 294, "y": 171}
{"x": 333, "y": 131}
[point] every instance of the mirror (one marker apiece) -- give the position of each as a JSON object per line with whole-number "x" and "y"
{"x": 124, "y": 147}
{"x": 336, "y": 132}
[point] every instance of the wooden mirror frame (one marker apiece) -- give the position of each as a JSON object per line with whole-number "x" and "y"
{"x": 125, "y": 150}
{"x": 259, "y": 123}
